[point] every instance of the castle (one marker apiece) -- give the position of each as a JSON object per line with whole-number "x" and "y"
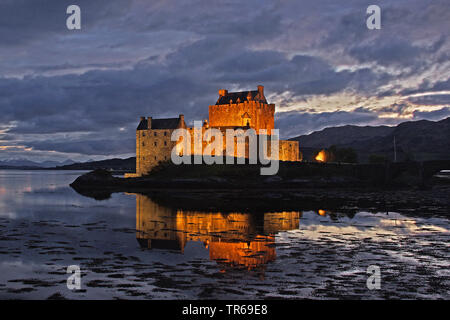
{"x": 233, "y": 110}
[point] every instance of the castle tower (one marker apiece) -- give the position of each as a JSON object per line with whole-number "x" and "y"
{"x": 242, "y": 109}
{"x": 153, "y": 142}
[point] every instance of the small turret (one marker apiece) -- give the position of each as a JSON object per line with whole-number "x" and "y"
{"x": 181, "y": 123}
{"x": 261, "y": 91}
{"x": 223, "y": 92}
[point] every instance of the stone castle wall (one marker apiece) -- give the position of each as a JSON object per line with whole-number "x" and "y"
{"x": 231, "y": 115}
{"x": 289, "y": 151}
{"x": 155, "y": 146}
{"x": 152, "y": 146}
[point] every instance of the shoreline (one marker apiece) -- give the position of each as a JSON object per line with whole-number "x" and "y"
{"x": 228, "y": 195}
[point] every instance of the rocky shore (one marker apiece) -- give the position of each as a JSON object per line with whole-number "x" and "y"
{"x": 273, "y": 193}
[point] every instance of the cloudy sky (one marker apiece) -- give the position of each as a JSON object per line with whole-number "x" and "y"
{"x": 79, "y": 93}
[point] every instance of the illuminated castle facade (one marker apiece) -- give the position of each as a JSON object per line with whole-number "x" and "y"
{"x": 233, "y": 110}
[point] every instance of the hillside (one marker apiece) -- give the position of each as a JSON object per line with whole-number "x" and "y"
{"x": 342, "y": 135}
{"x": 26, "y": 164}
{"x": 116, "y": 164}
{"x": 415, "y": 140}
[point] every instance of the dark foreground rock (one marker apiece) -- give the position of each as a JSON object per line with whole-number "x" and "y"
{"x": 97, "y": 184}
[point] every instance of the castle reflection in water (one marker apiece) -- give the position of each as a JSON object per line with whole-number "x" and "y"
{"x": 236, "y": 240}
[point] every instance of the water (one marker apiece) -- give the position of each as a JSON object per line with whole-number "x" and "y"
{"x": 130, "y": 246}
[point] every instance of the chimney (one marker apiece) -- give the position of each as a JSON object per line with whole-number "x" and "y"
{"x": 181, "y": 117}
{"x": 149, "y": 123}
{"x": 223, "y": 92}
{"x": 142, "y": 118}
{"x": 261, "y": 91}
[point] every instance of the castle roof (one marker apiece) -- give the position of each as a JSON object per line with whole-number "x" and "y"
{"x": 167, "y": 123}
{"x": 242, "y": 96}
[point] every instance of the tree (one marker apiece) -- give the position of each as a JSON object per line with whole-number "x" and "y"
{"x": 347, "y": 155}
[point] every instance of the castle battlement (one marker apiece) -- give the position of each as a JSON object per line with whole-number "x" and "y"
{"x": 243, "y": 108}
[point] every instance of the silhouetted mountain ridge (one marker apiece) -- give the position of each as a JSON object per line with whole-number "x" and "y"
{"x": 415, "y": 140}
{"x": 116, "y": 164}
{"x": 25, "y": 163}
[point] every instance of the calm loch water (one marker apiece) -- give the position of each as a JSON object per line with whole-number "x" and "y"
{"x": 132, "y": 247}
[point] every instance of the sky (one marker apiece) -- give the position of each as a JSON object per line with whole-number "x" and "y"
{"x": 78, "y": 94}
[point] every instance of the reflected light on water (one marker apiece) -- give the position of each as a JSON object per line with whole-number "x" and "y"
{"x": 233, "y": 239}
{"x": 46, "y": 226}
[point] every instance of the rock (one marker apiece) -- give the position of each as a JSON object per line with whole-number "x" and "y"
{"x": 96, "y": 184}
{"x": 94, "y": 178}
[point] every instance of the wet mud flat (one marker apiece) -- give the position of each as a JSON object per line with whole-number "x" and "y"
{"x": 325, "y": 257}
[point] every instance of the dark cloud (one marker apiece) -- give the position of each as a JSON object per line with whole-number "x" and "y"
{"x": 296, "y": 123}
{"x": 82, "y": 92}
{"x": 398, "y": 108}
{"x": 87, "y": 147}
{"x": 24, "y": 21}
{"x": 427, "y": 86}
{"x": 432, "y": 115}
{"x": 395, "y": 51}
{"x": 431, "y": 100}
{"x": 99, "y": 100}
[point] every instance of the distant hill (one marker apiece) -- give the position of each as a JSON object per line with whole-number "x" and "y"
{"x": 342, "y": 135}
{"x": 116, "y": 164}
{"x": 18, "y": 163}
{"x": 415, "y": 140}
{"x": 128, "y": 165}
{"x": 24, "y": 163}
{"x": 50, "y": 164}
